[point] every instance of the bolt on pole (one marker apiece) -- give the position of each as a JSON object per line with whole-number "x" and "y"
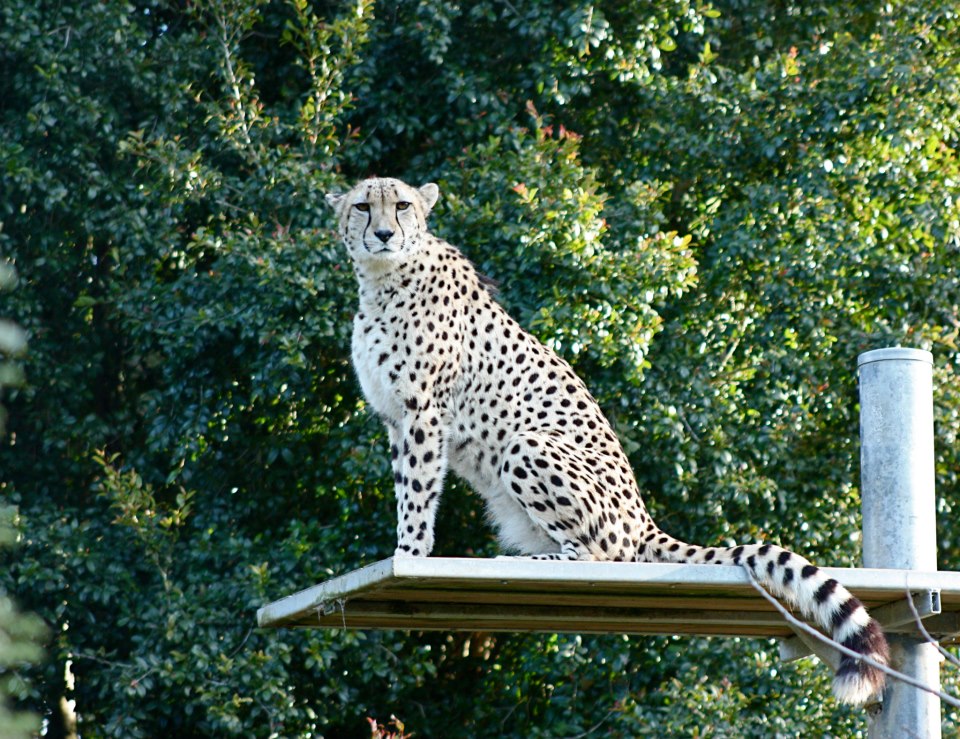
{"x": 899, "y": 516}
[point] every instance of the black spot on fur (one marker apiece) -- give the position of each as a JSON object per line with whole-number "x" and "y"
{"x": 825, "y": 591}
{"x": 844, "y": 611}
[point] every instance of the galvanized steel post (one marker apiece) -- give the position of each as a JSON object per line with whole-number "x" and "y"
{"x": 899, "y": 515}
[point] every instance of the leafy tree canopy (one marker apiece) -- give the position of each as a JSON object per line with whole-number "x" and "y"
{"x": 709, "y": 209}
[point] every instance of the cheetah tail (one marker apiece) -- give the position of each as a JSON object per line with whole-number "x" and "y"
{"x": 818, "y": 597}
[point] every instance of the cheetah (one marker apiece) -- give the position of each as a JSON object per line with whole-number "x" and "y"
{"x": 461, "y": 386}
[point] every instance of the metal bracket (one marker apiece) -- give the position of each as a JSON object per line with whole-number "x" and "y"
{"x": 327, "y": 609}
{"x": 895, "y": 618}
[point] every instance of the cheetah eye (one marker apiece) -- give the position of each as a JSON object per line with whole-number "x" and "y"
{"x": 403, "y": 205}
{"x": 362, "y": 207}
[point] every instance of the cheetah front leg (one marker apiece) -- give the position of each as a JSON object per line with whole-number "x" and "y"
{"x": 418, "y": 452}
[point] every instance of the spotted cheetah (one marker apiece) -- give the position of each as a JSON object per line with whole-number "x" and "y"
{"x": 461, "y": 386}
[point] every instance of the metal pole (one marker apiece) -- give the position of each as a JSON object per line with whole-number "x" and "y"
{"x": 899, "y": 515}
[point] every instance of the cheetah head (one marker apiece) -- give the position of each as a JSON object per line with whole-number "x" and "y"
{"x": 383, "y": 218}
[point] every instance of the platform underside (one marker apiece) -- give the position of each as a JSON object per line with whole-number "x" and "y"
{"x": 503, "y": 594}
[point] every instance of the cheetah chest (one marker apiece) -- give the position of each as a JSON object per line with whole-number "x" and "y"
{"x": 407, "y": 362}
{"x": 378, "y": 363}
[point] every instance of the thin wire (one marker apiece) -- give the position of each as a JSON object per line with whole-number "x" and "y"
{"x": 926, "y": 634}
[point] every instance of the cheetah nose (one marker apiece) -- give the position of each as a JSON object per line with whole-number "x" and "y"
{"x": 383, "y": 234}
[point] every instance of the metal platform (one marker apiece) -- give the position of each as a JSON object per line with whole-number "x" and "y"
{"x": 503, "y": 594}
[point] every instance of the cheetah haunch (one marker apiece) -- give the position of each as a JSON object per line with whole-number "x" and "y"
{"x": 461, "y": 386}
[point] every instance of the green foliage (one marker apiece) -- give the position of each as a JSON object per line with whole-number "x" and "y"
{"x": 20, "y": 633}
{"x": 708, "y": 209}
{"x": 13, "y": 343}
{"x": 20, "y": 638}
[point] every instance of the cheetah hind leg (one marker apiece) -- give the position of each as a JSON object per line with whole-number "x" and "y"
{"x": 568, "y": 552}
{"x": 565, "y": 555}
{"x": 549, "y": 479}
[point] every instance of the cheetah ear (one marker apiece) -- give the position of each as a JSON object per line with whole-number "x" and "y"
{"x": 429, "y": 192}
{"x": 333, "y": 198}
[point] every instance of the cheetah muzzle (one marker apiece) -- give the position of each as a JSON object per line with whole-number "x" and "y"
{"x": 461, "y": 386}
